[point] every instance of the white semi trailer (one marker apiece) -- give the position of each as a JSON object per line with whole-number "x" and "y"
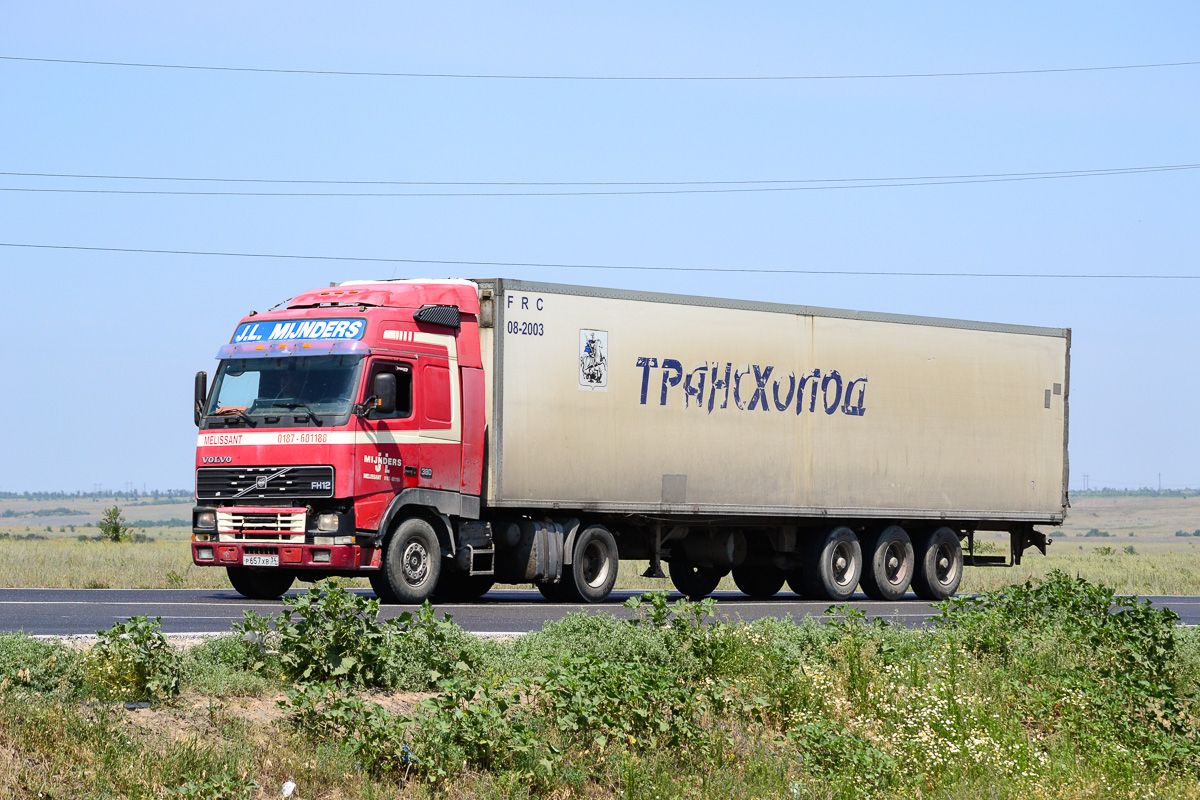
{"x": 818, "y": 447}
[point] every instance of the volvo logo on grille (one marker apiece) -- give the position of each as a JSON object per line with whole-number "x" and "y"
{"x": 260, "y": 481}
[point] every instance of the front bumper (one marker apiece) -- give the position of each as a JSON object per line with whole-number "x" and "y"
{"x": 351, "y": 557}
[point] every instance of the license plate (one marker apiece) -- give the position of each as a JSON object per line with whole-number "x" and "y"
{"x": 260, "y": 561}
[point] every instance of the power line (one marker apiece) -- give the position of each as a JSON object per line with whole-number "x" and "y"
{"x": 869, "y": 183}
{"x": 310, "y": 181}
{"x": 517, "y": 77}
{"x": 648, "y": 268}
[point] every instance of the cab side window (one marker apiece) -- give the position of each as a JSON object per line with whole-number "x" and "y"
{"x": 404, "y": 387}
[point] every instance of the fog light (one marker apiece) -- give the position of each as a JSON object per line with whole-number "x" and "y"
{"x": 206, "y": 519}
{"x": 320, "y": 556}
{"x": 327, "y": 522}
{"x": 204, "y": 553}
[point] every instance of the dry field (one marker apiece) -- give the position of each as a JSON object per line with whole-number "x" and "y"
{"x": 1160, "y": 561}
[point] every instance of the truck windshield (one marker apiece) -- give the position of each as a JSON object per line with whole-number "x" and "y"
{"x": 274, "y": 386}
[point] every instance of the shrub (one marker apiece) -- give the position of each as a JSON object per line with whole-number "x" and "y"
{"x": 133, "y": 661}
{"x": 112, "y": 525}
{"x": 329, "y": 634}
{"x": 35, "y": 664}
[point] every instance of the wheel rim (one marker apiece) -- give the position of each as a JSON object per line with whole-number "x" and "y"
{"x": 415, "y": 562}
{"x": 843, "y": 563}
{"x": 943, "y": 564}
{"x": 595, "y": 564}
{"x": 895, "y": 563}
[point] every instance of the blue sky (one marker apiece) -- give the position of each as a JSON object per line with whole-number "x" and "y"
{"x": 102, "y": 346}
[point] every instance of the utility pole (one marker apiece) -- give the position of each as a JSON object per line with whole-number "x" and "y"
{"x": 1085, "y": 481}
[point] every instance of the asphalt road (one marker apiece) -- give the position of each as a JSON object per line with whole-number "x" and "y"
{"x": 82, "y": 611}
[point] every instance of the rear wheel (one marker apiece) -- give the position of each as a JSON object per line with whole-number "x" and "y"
{"x": 412, "y": 564}
{"x": 551, "y": 591}
{"x": 259, "y": 584}
{"x": 834, "y": 566}
{"x": 759, "y": 581}
{"x": 459, "y": 587}
{"x": 593, "y": 569}
{"x": 939, "y": 565}
{"x": 888, "y": 564}
{"x": 695, "y": 582}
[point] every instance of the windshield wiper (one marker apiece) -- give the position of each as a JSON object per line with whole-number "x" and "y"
{"x": 311, "y": 414}
{"x": 235, "y": 411}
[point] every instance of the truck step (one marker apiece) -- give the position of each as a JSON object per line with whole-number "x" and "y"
{"x": 481, "y": 562}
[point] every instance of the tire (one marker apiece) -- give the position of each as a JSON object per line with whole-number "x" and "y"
{"x": 693, "y": 582}
{"x": 412, "y": 564}
{"x": 381, "y": 587}
{"x": 834, "y": 566}
{"x": 259, "y": 584}
{"x": 459, "y": 587}
{"x": 888, "y": 564}
{"x": 795, "y": 581}
{"x": 593, "y": 569}
{"x": 939, "y": 565}
{"x": 551, "y": 591}
{"x": 759, "y": 581}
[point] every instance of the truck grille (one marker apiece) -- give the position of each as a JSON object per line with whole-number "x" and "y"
{"x": 263, "y": 483}
{"x": 246, "y": 524}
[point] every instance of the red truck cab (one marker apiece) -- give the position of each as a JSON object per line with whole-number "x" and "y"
{"x": 329, "y": 417}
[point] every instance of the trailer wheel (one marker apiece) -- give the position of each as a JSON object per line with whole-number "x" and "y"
{"x": 695, "y": 582}
{"x": 593, "y": 570}
{"x": 259, "y": 584}
{"x": 888, "y": 564}
{"x": 459, "y": 587}
{"x": 759, "y": 581}
{"x": 834, "y": 566}
{"x": 939, "y": 565}
{"x": 412, "y": 564}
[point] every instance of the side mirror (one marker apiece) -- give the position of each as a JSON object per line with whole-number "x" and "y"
{"x": 201, "y": 396}
{"x": 385, "y": 393}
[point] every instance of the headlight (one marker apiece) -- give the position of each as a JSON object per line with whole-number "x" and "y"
{"x": 206, "y": 519}
{"x": 327, "y": 522}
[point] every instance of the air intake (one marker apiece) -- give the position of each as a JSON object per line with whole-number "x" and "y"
{"x": 444, "y": 316}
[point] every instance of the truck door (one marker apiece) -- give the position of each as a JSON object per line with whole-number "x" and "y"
{"x": 438, "y": 413}
{"x": 386, "y": 449}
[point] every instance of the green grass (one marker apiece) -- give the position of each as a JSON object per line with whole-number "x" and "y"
{"x": 1053, "y": 689}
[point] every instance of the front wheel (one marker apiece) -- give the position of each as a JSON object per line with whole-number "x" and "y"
{"x": 593, "y": 570}
{"x": 939, "y": 565}
{"x": 259, "y": 584}
{"x": 412, "y": 564}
